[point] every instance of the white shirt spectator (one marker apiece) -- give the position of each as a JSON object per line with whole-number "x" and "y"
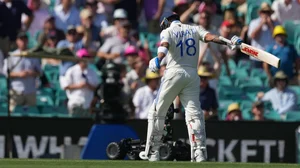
{"x": 40, "y": 16}
{"x": 142, "y": 100}
{"x": 283, "y": 12}
{"x": 131, "y": 77}
{"x": 84, "y": 96}
{"x": 115, "y": 45}
{"x": 27, "y": 84}
{"x": 63, "y": 20}
{"x": 282, "y": 102}
{"x": 265, "y": 37}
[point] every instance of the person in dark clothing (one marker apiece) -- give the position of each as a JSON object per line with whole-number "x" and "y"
{"x": 49, "y": 27}
{"x": 208, "y": 99}
{"x": 10, "y": 22}
{"x": 128, "y": 5}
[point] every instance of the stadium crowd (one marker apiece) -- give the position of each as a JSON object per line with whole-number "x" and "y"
{"x": 233, "y": 85}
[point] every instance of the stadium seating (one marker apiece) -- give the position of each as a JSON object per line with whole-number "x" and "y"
{"x": 52, "y": 111}
{"x": 246, "y": 104}
{"x": 3, "y": 109}
{"x": 3, "y": 86}
{"x": 230, "y": 93}
{"x": 244, "y": 64}
{"x": 52, "y": 74}
{"x": 291, "y": 28}
{"x": 297, "y": 40}
{"x": 246, "y": 114}
{"x": 26, "y": 111}
{"x": 44, "y": 100}
{"x": 239, "y": 74}
{"x": 250, "y": 81}
{"x": 296, "y": 89}
{"x": 225, "y": 81}
{"x": 260, "y": 73}
{"x": 293, "y": 116}
{"x": 60, "y": 97}
{"x": 272, "y": 115}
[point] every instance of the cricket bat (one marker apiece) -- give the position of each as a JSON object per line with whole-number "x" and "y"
{"x": 256, "y": 53}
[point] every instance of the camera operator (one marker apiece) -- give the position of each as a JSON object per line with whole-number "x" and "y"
{"x": 110, "y": 94}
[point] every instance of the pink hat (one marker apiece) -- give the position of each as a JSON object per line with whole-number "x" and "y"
{"x": 204, "y": 7}
{"x": 131, "y": 50}
{"x": 82, "y": 53}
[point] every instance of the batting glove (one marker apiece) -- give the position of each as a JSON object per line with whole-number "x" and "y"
{"x": 154, "y": 64}
{"x": 235, "y": 40}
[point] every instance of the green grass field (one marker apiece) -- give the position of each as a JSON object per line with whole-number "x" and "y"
{"x": 33, "y": 163}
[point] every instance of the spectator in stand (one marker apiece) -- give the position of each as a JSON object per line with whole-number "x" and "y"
{"x": 120, "y": 15}
{"x": 211, "y": 8}
{"x": 134, "y": 78}
{"x": 209, "y": 53}
{"x": 186, "y": 16}
{"x": 204, "y": 21}
{"x": 234, "y": 112}
{"x": 226, "y": 53}
{"x": 180, "y": 7}
{"x": 153, "y": 11}
{"x": 214, "y": 65}
{"x": 208, "y": 99}
{"x": 144, "y": 96}
{"x": 289, "y": 59}
{"x": 23, "y": 74}
{"x": 90, "y": 31}
{"x": 73, "y": 44}
{"x": 51, "y": 42}
{"x": 40, "y": 16}
{"x": 286, "y": 10}
{"x": 99, "y": 20}
{"x": 80, "y": 83}
{"x": 260, "y": 31}
{"x": 143, "y": 49}
{"x": 132, "y": 9}
{"x": 113, "y": 48}
{"x": 131, "y": 54}
{"x": 66, "y": 14}
{"x": 282, "y": 98}
{"x": 258, "y": 111}
{"x": 77, "y": 3}
{"x": 10, "y": 22}
{"x": 49, "y": 26}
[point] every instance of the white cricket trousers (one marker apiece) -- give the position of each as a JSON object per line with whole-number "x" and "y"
{"x": 184, "y": 83}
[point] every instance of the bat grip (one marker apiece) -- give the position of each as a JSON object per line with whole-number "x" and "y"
{"x": 225, "y": 40}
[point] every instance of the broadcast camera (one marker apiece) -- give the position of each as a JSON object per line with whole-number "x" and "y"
{"x": 169, "y": 150}
{"x": 109, "y": 93}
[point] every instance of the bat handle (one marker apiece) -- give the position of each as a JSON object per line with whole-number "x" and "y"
{"x": 225, "y": 40}
{"x": 228, "y": 42}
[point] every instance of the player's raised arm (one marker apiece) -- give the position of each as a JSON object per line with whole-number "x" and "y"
{"x": 209, "y": 37}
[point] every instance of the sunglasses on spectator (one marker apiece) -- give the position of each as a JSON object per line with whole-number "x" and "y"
{"x": 266, "y": 12}
{"x": 120, "y": 19}
{"x": 72, "y": 32}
